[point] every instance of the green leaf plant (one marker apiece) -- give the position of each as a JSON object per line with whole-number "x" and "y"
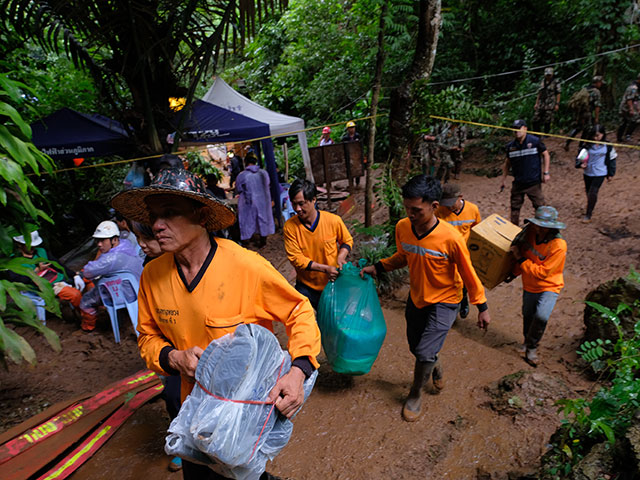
{"x": 18, "y": 158}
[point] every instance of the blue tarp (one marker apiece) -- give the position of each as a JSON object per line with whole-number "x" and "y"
{"x": 67, "y": 134}
{"x": 209, "y": 123}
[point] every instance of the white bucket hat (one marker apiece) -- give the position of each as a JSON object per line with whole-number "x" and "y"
{"x": 35, "y": 239}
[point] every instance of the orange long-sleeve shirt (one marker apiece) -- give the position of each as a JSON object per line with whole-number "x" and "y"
{"x": 434, "y": 260}
{"x": 543, "y": 265}
{"x": 464, "y": 220}
{"x": 236, "y": 286}
{"x": 318, "y": 244}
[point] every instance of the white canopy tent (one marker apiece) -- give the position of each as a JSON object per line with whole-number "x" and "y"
{"x": 280, "y": 125}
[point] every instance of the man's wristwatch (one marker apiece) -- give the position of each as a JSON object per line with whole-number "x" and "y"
{"x": 546, "y": 173}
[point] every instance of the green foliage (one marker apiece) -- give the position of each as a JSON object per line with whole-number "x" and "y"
{"x": 455, "y": 102}
{"x": 202, "y": 167}
{"x": 379, "y": 244}
{"x": 607, "y": 416}
{"x": 18, "y": 157}
{"x": 389, "y": 193}
{"x": 317, "y": 61}
{"x": 296, "y": 163}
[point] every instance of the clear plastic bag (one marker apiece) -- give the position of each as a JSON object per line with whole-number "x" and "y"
{"x": 219, "y": 428}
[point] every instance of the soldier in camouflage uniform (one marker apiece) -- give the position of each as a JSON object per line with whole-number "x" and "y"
{"x": 629, "y": 110}
{"x": 428, "y": 151}
{"x": 585, "y": 117}
{"x": 547, "y": 102}
{"x": 450, "y": 144}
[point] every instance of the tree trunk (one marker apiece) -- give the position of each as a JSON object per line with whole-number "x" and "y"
{"x": 402, "y": 99}
{"x": 375, "y": 96}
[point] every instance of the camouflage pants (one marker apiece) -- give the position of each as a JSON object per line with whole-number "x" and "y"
{"x": 628, "y": 125}
{"x": 543, "y": 116}
{"x": 445, "y": 167}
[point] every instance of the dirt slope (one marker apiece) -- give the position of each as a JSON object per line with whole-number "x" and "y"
{"x": 351, "y": 428}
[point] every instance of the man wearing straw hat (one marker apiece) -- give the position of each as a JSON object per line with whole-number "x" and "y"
{"x": 540, "y": 260}
{"x": 203, "y": 287}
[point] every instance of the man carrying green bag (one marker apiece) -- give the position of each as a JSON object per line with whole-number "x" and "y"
{"x": 351, "y": 322}
{"x": 439, "y": 263}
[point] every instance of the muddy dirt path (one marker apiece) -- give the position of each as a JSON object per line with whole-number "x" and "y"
{"x": 351, "y": 428}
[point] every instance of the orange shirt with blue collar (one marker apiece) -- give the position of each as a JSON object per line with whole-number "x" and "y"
{"x": 464, "y": 220}
{"x": 438, "y": 262}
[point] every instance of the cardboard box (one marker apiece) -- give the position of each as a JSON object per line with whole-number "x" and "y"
{"x": 489, "y": 246}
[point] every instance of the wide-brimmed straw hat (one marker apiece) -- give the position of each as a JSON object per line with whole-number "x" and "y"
{"x": 546, "y": 217}
{"x": 173, "y": 181}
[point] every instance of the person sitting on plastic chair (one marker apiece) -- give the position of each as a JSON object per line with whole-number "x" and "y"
{"x": 62, "y": 289}
{"x": 115, "y": 256}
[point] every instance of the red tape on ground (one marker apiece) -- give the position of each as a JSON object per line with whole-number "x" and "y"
{"x": 71, "y": 415}
{"x": 91, "y": 444}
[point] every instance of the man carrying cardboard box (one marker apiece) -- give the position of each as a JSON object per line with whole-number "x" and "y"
{"x": 540, "y": 260}
{"x": 463, "y": 215}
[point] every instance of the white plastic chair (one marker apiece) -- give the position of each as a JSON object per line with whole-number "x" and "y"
{"x": 114, "y": 298}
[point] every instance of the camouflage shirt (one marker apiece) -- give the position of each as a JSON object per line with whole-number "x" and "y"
{"x": 449, "y": 137}
{"x": 631, "y": 93}
{"x": 595, "y": 98}
{"x": 547, "y": 94}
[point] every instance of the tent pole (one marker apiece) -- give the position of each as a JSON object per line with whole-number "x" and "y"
{"x": 285, "y": 152}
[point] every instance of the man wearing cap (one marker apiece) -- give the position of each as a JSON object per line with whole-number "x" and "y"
{"x": 540, "y": 260}
{"x": 587, "y": 115}
{"x": 528, "y": 159}
{"x": 463, "y": 215}
{"x": 629, "y": 110}
{"x": 317, "y": 242}
{"x": 203, "y": 287}
{"x": 547, "y": 102}
{"x": 62, "y": 289}
{"x": 115, "y": 256}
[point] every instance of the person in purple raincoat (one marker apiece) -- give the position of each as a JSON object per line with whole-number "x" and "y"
{"x": 254, "y": 203}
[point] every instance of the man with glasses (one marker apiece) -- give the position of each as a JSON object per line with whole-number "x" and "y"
{"x": 317, "y": 242}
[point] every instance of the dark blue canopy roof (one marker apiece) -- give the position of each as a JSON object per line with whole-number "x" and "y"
{"x": 67, "y": 134}
{"x": 207, "y": 122}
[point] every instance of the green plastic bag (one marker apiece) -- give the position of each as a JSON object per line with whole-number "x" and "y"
{"x": 351, "y": 322}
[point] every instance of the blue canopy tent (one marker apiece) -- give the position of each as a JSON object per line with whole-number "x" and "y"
{"x": 67, "y": 134}
{"x": 208, "y": 123}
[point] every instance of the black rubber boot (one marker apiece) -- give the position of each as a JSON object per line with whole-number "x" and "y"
{"x": 413, "y": 405}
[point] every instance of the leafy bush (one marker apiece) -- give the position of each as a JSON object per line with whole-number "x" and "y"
{"x": 18, "y": 156}
{"x": 202, "y": 167}
{"x": 607, "y": 416}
